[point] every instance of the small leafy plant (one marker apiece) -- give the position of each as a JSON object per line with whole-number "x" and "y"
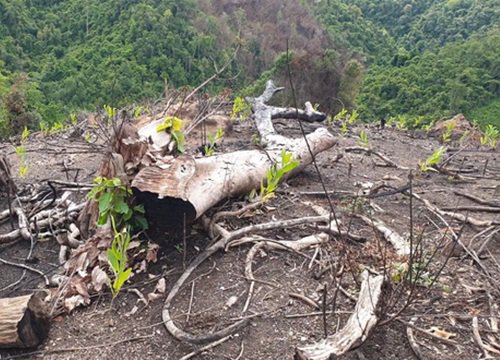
{"x": 173, "y": 126}
{"x": 209, "y": 148}
{"x": 110, "y": 111}
{"x": 345, "y": 119}
{"x": 344, "y": 128}
{"x": 275, "y": 173}
{"x": 363, "y": 139}
{"x": 435, "y": 158}
{"x": 446, "y": 137}
{"x": 21, "y": 153}
{"x": 117, "y": 258}
{"x": 490, "y": 136}
{"x": 113, "y": 198}
{"x": 255, "y": 140}
{"x": 340, "y": 115}
{"x": 73, "y": 118}
{"x": 241, "y": 109}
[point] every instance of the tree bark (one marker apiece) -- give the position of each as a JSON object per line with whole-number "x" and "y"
{"x": 24, "y": 321}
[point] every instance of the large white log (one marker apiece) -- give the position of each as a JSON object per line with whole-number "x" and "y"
{"x": 181, "y": 189}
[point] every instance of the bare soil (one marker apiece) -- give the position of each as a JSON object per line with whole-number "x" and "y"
{"x": 462, "y": 292}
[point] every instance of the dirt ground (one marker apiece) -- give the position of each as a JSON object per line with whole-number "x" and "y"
{"x": 283, "y": 321}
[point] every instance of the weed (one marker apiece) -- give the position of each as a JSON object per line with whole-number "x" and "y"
{"x": 73, "y": 118}
{"x": 363, "y": 139}
{"x": 344, "y": 128}
{"x": 435, "y": 158}
{"x": 345, "y": 119}
{"x": 446, "y": 137}
{"x": 490, "y": 136}
{"x": 402, "y": 122}
{"x": 173, "y": 126}
{"x": 275, "y": 173}
{"x": 340, "y": 115}
{"x": 419, "y": 273}
{"x": 117, "y": 257}
{"x": 22, "y": 154}
{"x": 209, "y": 148}
{"x": 57, "y": 127}
{"x": 255, "y": 140}
{"x": 110, "y": 112}
{"x": 114, "y": 198}
{"x": 179, "y": 248}
{"x": 241, "y": 109}
{"x": 137, "y": 111}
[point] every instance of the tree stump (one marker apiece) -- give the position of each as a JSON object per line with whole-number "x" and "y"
{"x": 24, "y": 321}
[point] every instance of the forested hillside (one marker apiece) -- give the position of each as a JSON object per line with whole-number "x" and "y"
{"x": 426, "y": 59}
{"x": 419, "y": 59}
{"x": 58, "y": 57}
{"x": 74, "y": 54}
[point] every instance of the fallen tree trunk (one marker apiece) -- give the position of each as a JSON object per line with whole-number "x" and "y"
{"x": 179, "y": 190}
{"x": 24, "y": 321}
{"x": 358, "y": 327}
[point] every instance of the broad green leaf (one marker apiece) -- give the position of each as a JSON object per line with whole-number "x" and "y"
{"x": 121, "y": 207}
{"x": 121, "y": 278}
{"x": 105, "y": 201}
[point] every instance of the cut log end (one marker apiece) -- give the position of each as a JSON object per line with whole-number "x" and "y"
{"x": 24, "y": 321}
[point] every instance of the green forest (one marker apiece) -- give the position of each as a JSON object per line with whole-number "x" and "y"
{"x": 422, "y": 60}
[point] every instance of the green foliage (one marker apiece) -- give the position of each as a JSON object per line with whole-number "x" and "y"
{"x": 114, "y": 201}
{"x": 420, "y": 274}
{"x": 173, "y": 126}
{"x": 345, "y": 118}
{"x": 363, "y": 139}
{"x": 344, "y": 128}
{"x": 179, "y": 248}
{"x": 490, "y": 136}
{"x": 486, "y": 114}
{"x": 456, "y": 78}
{"x": 110, "y": 112}
{"x": 241, "y": 109}
{"x": 21, "y": 153}
{"x": 117, "y": 258}
{"x": 255, "y": 140}
{"x": 435, "y": 158}
{"x": 275, "y": 173}
{"x": 84, "y": 54}
{"x": 209, "y": 148}
{"x": 446, "y": 137}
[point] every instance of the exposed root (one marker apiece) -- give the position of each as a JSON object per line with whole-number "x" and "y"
{"x": 358, "y": 327}
{"x": 388, "y": 162}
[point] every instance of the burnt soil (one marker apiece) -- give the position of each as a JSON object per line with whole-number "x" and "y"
{"x": 463, "y": 290}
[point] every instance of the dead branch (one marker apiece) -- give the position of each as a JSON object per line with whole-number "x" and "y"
{"x": 206, "y": 347}
{"x": 26, "y": 267}
{"x": 485, "y": 348}
{"x": 282, "y": 245}
{"x": 477, "y": 199}
{"x": 358, "y": 327}
{"x": 456, "y": 216}
{"x": 368, "y": 151}
{"x": 226, "y": 237}
{"x": 473, "y": 209}
{"x": 401, "y": 245}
